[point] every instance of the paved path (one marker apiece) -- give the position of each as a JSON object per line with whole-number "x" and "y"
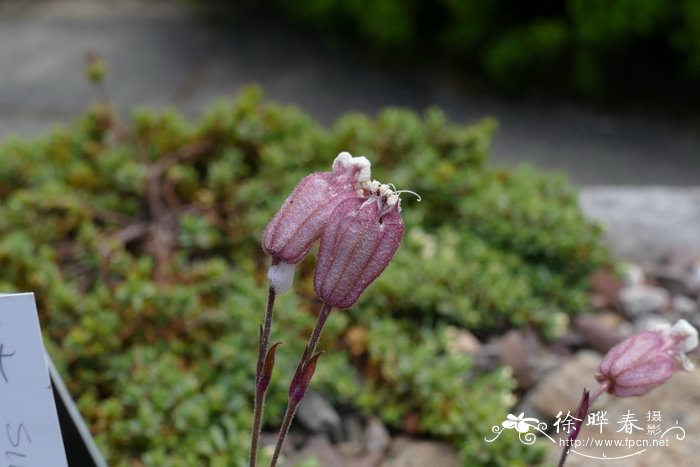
{"x": 161, "y": 54}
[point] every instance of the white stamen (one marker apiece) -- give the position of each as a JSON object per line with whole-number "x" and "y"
{"x": 418, "y": 197}
{"x": 386, "y": 196}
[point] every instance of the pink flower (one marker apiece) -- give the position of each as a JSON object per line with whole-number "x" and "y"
{"x": 646, "y": 360}
{"x": 357, "y": 244}
{"x": 301, "y": 219}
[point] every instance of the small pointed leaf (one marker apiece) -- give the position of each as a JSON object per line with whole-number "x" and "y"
{"x": 266, "y": 375}
{"x": 298, "y": 388}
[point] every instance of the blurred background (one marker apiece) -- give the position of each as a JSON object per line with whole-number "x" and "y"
{"x": 603, "y": 93}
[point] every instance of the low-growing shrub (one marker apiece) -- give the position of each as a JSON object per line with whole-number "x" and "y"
{"x": 141, "y": 242}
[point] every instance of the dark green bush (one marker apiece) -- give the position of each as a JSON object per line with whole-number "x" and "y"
{"x": 141, "y": 242}
{"x": 590, "y": 46}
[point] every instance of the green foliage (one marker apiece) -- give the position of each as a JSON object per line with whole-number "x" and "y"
{"x": 142, "y": 245}
{"x": 588, "y": 46}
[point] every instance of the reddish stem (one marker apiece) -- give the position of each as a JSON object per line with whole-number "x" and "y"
{"x": 294, "y": 401}
{"x": 260, "y": 391}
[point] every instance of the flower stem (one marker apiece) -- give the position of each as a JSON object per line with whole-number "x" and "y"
{"x": 598, "y": 392}
{"x": 580, "y": 417}
{"x": 293, "y": 403}
{"x": 260, "y": 392}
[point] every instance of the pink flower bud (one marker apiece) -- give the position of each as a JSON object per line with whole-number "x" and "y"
{"x": 646, "y": 360}
{"x": 357, "y": 244}
{"x": 299, "y": 222}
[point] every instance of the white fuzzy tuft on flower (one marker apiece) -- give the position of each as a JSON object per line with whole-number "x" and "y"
{"x": 360, "y": 163}
{"x": 281, "y": 276}
{"x": 684, "y": 333}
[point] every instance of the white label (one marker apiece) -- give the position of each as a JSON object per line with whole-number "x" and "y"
{"x": 30, "y": 435}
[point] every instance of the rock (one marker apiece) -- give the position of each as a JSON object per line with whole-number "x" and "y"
{"x": 318, "y": 415}
{"x": 269, "y": 440}
{"x": 600, "y": 331}
{"x": 544, "y": 364}
{"x": 514, "y": 350}
{"x": 368, "y": 460}
{"x": 651, "y": 323}
{"x": 461, "y": 340}
{"x": 644, "y": 222}
{"x": 679, "y": 271}
{"x": 634, "y": 274}
{"x": 684, "y": 306}
{"x": 605, "y": 287}
{"x": 693, "y": 280}
{"x": 319, "y": 447}
{"x": 561, "y": 389}
{"x": 642, "y": 299}
{"x": 680, "y": 257}
{"x": 407, "y": 452}
{"x": 487, "y": 357}
{"x": 349, "y": 450}
{"x": 377, "y": 438}
{"x": 354, "y": 440}
{"x": 675, "y": 401}
{"x": 672, "y": 279}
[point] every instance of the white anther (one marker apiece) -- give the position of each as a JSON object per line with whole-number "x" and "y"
{"x": 385, "y": 191}
{"x": 373, "y": 186}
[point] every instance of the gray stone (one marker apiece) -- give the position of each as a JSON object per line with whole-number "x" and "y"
{"x": 684, "y": 306}
{"x": 514, "y": 350}
{"x": 368, "y": 460}
{"x": 652, "y": 322}
{"x": 605, "y": 286}
{"x": 643, "y": 223}
{"x": 637, "y": 300}
{"x": 681, "y": 257}
{"x": 318, "y": 415}
{"x": 407, "y": 452}
{"x": 377, "y": 438}
{"x": 634, "y": 274}
{"x": 693, "y": 279}
{"x": 353, "y": 443}
{"x": 561, "y": 389}
{"x": 672, "y": 278}
{"x": 601, "y": 331}
{"x": 319, "y": 447}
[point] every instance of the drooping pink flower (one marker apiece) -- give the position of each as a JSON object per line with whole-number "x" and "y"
{"x": 357, "y": 244}
{"x": 646, "y": 360}
{"x": 299, "y": 222}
